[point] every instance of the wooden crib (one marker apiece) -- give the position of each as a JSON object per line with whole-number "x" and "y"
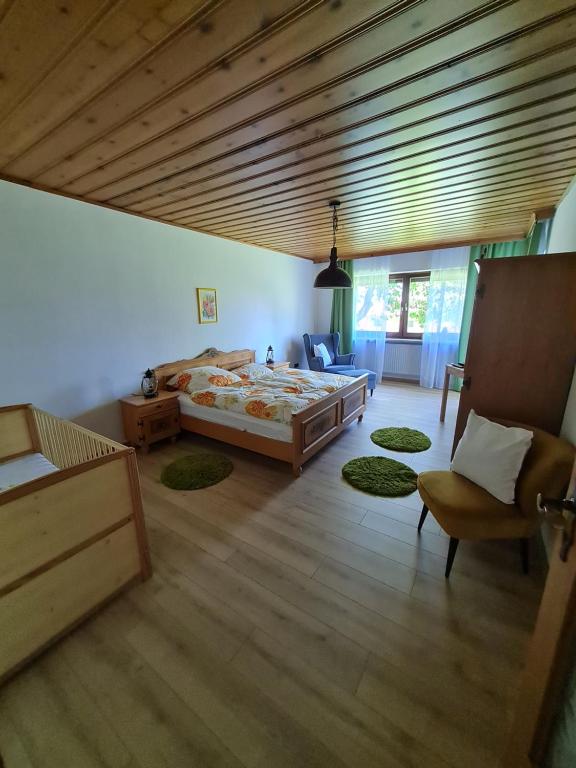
{"x": 69, "y": 540}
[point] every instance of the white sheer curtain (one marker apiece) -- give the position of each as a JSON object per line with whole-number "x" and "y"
{"x": 446, "y": 294}
{"x": 370, "y": 294}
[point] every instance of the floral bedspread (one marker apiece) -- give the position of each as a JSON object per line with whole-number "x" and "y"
{"x": 276, "y": 398}
{"x": 306, "y": 380}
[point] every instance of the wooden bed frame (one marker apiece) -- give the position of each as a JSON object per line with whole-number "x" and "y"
{"x": 70, "y": 540}
{"x": 312, "y": 428}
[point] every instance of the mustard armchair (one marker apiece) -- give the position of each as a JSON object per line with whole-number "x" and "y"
{"x": 466, "y": 511}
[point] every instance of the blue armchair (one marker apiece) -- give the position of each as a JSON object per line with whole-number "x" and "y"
{"x": 340, "y": 363}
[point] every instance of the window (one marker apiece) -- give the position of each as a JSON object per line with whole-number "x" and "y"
{"x": 406, "y": 305}
{"x": 390, "y": 304}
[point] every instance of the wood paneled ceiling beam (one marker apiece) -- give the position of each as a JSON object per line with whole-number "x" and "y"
{"x": 462, "y": 140}
{"x": 493, "y": 14}
{"x": 423, "y": 215}
{"x": 350, "y": 236}
{"x": 166, "y": 80}
{"x": 125, "y": 36}
{"x": 374, "y": 188}
{"x": 449, "y": 195}
{"x": 389, "y": 242}
{"x": 431, "y": 121}
{"x": 340, "y": 188}
{"x": 420, "y": 208}
{"x": 286, "y": 50}
{"x": 267, "y": 152}
{"x": 475, "y": 238}
{"x": 515, "y": 140}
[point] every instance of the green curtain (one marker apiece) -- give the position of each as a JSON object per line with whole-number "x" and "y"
{"x": 530, "y": 246}
{"x": 343, "y": 310}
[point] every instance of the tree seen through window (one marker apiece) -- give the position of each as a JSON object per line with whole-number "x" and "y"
{"x": 398, "y": 306}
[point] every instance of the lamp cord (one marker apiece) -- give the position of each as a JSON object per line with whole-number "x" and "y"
{"x": 334, "y": 226}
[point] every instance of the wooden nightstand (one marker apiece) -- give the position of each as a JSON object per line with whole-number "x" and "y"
{"x": 147, "y": 420}
{"x": 277, "y": 366}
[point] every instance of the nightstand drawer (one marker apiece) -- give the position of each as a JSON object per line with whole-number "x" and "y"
{"x": 155, "y": 407}
{"x": 157, "y": 426}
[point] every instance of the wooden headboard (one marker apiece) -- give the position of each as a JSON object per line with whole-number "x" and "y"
{"x": 226, "y": 360}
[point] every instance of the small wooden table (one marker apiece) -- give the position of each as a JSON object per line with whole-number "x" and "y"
{"x": 276, "y": 366}
{"x": 451, "y": 370}
{"x": 147, "y": 420}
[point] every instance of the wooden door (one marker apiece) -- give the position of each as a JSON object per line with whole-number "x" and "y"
{"x": 522, "y": 347}
{"x": 550, "y": 657}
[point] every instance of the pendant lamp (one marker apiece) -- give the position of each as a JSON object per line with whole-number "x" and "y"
{"x": 333, "y": 276}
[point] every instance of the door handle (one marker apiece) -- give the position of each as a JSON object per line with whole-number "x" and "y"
{"x": 562, "y": 516}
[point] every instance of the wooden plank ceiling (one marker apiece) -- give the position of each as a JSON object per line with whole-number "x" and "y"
{"x": 433, "y": 121}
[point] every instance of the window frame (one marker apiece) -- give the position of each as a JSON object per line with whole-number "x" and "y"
{"x": 405, "y": 278}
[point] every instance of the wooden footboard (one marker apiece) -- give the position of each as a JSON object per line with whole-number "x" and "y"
{"x": 317, "y": 425}
{"x": 69, "y": 540}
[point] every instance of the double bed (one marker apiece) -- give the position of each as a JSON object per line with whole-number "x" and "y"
{"x": 289, "y": 414}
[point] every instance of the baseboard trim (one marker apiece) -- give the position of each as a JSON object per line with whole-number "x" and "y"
{"x": 405, "y": 379}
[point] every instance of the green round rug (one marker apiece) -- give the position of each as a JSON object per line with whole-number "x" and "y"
{"x": 401, "y": 439}
{"x": 380, "y": 476}
{"x": 199, "y": 470}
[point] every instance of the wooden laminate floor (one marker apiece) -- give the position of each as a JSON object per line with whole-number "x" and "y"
{"x": 289, "y": 623}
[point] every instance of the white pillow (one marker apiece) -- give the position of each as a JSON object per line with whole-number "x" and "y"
{"x": 254, "y": 371}
{"x": 491, "y": 455}
{"x": 321, "y": 351}
{"x": 194, "y": 379}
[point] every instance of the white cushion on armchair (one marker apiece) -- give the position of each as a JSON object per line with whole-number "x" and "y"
{"x": 320, "y": 350}
{"x": 491, "y": 455}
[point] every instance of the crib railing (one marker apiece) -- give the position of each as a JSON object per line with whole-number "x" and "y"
{"x": 66, "y": 444}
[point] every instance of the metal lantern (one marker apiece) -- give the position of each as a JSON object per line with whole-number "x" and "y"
{"x": 149, "y": 384}
{"x": 269, "y": 356}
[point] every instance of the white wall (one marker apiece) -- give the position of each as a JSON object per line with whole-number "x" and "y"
{"x": 562, "y": 240}
{"x": 90, "y": 297}
{"x": 563, "y": 232}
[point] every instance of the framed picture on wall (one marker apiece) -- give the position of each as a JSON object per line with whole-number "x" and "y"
{"x": 207, "y": 306}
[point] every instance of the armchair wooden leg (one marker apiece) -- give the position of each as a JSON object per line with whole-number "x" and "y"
{"x": 451, "y": 552}
{"x": 422, "y": 517}
{"x": 525, "y": 554}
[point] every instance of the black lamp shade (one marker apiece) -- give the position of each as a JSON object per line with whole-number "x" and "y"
{"x": 333, "y": 276}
